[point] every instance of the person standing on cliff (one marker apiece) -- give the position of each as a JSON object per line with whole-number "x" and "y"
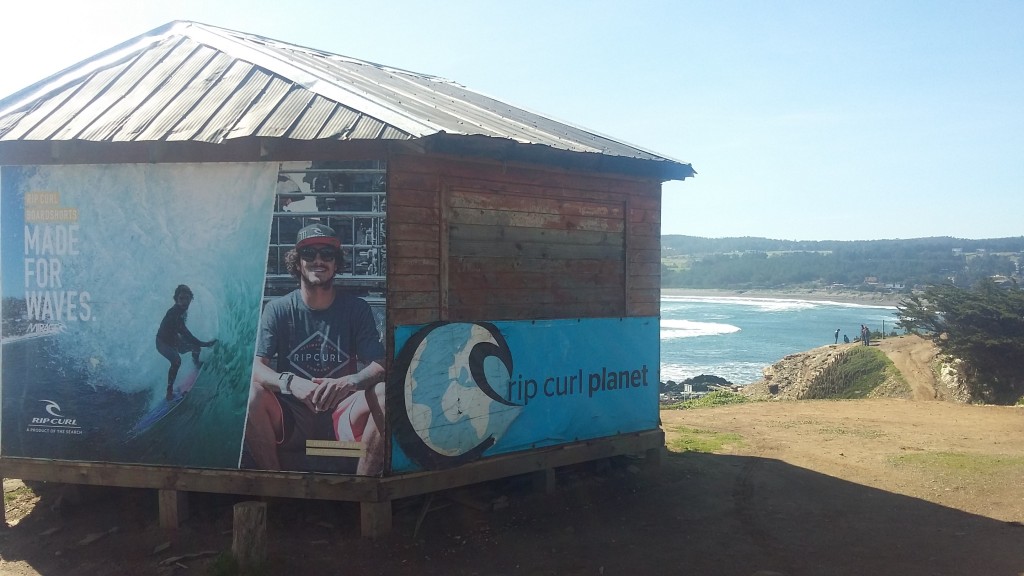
{"x": 837, "y": 335}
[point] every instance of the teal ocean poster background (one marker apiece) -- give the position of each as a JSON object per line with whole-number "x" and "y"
{"x": 91, "y": 257}
{"x": 461, "y": 391}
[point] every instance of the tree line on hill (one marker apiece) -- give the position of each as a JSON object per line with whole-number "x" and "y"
{"x": 745, "y": 263}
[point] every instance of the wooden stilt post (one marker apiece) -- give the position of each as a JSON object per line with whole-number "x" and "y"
{"x": 545, "y": 481}
{"x": 653, "y": 456}
{"x": 249, "y": 534}
{"x": 173, "y": 508}
{"x": 375, "y": 518}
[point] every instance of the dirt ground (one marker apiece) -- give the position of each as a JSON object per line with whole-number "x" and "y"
{"x": 864, "y": 487}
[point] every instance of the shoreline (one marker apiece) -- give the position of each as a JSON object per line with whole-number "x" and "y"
{"x": 809, "y": 294}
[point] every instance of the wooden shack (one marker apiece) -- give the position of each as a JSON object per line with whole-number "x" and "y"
{"x": 511, "y": 264}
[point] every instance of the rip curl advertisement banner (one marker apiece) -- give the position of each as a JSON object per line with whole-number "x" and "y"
{"x": 461, "y": 391}
{"x": 92, "y": 260}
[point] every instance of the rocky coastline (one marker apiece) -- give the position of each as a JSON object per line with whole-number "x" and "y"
{"x": 795, "y": 370}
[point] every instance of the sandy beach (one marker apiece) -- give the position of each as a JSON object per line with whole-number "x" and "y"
{"x": 813, "y": 294}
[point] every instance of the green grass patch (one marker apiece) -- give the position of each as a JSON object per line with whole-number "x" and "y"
{"x": 705, "y": 441}
{"x": 863, "y": 369}
{"x": 709, "y": 400}
{"x": 960, "y": 462}
{"x": 856, "y": 374}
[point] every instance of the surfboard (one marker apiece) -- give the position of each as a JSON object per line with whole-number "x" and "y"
{"x": 182, "y": 386}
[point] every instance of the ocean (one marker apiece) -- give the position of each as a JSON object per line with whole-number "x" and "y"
{"x": 735, "y": 338}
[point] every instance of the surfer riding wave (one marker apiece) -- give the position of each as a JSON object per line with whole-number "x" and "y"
{"x": 174, "y": 338}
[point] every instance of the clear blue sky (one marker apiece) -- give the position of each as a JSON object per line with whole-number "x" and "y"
{"x": 804, "y": 120}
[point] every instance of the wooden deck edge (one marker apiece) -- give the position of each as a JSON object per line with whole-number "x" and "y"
{"x": 405, "y": 485}
{"x": 326, "y": 486}
{"x": 250, "y": 482}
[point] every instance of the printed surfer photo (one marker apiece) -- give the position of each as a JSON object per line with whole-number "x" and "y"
{"x": 174, "y": 339}
{"x": 317, "y": 393}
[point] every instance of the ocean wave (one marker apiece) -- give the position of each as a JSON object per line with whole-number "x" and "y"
{"x": 765, "y": 304}
{"x": 671, "y": 329}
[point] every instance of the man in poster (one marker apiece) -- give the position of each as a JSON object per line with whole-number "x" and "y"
{"x": 318, "y": 371}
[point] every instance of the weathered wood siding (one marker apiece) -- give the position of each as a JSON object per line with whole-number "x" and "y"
{"x": 471, "y": 240}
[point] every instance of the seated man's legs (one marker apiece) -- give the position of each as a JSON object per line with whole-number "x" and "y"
{"x": 277, "y": 428}
{"x": 264, "y": 427}
{"x": 360, "y": 418}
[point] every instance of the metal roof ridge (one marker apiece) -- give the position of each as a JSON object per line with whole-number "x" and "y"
{"x": 550, "y": 118}
{"x": 87, "y": 67}
{"x": 234, "y": 44}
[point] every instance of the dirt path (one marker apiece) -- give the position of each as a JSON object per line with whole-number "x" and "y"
{"x": 791, "y": 488}
{"x": 914, "y": 357}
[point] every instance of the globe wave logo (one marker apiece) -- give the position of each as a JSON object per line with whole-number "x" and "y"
{"x": 447, "y": 393}
{"x": 52, "y": 408}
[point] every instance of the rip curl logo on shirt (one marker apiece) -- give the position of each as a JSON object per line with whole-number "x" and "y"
{"x": 447, "y": 410}
{"x": 318, "y": 357}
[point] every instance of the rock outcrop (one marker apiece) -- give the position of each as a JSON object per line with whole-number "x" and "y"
{"x": 792, "y": 377}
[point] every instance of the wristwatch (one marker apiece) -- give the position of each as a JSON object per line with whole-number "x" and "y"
{"x": 284, "y": 382}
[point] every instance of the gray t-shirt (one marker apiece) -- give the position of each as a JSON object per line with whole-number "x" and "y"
{"x": 326, "y": 343}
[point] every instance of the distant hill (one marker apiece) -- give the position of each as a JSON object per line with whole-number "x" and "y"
{"x": 891, "y": 265}
{"x": 698, "y": 245}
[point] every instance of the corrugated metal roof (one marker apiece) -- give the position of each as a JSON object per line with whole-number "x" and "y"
{"x": 187, "y": 81}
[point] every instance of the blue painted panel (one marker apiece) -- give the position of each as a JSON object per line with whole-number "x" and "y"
{"x": 462, "y": 391}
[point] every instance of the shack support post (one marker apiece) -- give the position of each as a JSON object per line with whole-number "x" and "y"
{"x": 375, "y": 518}
{"x": 173, "y": 508}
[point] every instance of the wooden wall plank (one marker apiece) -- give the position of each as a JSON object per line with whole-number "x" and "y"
{"x": 533, "y": 220}
{"x": 645, "y": 268}
{"x": 398, "y": 213}
{"x": 413, "y": 282}
{"x": 587, "y": 269}
{"x": 635, "y": 255}
{"x": 491, "y": 200}
{"x": 638, "y": 308}
{"x": 519, "y": 311}
{"x": 411, "y": 316}
{"x": 645, "y": 282}
{"x": 418, "y": 299}
{"x": 505, "y": 173}
{"x": 538, "y": 250}
{"x": 531, "y": 296}
{"x": 548, "y": 239}
{"x": 405, "y": 231}
{"x": 571, "y": 279}
{"x": 462, "y": 232}
{"x": 418, "y": 266}
{"x": 648, "y": 229}
{"x": 413, "y": 249}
